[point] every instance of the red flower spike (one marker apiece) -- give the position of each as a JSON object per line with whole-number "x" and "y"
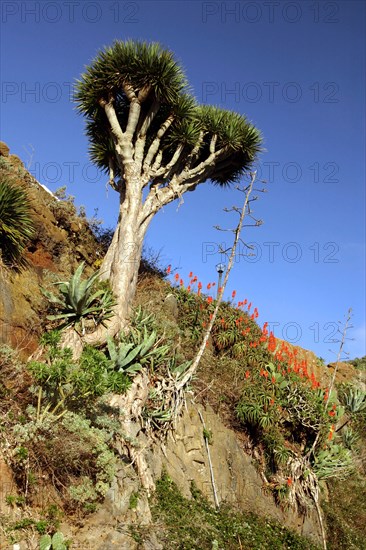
{"x": 208, "y": 286}
{"x": 199, "y": 285}
{"x": 233, "y": 294}
{"x": 190, "y": 274}
{"x": 249, "y": 306}
{"x": 189, "y": 288}
{"x": 289, "y": 481}
{"x": 176, "y": 277}
{"x": 181, "y": 282}
{"x": 168, "y": 269}
{"x": 247, "y": 374}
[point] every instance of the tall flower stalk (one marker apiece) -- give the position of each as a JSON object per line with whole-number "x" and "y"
{"x": 245, "y": 209}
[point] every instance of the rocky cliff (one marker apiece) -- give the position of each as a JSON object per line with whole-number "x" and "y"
{"x": 62, "y": 239}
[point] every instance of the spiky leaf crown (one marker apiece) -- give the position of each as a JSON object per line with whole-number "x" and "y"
{"x": 141, "y": 66}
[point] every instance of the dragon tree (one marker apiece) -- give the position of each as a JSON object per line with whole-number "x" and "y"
{"x": 155, "y": 142}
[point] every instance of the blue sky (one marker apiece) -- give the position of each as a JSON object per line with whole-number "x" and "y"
{"x": 295, "y": 69}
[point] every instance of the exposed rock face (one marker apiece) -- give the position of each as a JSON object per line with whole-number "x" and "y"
{"x": 236, "y": 478}
{"x": 184, "y": 458}
{"x": 7, "y": 485}
{"x": 4, "y": 149}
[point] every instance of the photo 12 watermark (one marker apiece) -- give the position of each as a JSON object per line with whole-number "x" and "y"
{"x": 274, "y": 251}
{"x": 70, "y": 12}
{"x": 293, "y": 331}
{"x": 67, "y": 172}
{"x": 271, "y": 91}
{"x": 37, "y": 92}
{"x": 270, "y": 12}
{"x": 292, "y": 171}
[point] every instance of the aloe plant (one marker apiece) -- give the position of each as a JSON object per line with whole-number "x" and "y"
{"x": 56, "y": 542}
{"x": 81, "y": 299}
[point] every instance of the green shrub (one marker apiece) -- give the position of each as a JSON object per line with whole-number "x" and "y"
{"x": 72, "y": 454}
{"x": 195, "y": 523}
{"x": 16, "y": 224}
{"x": 63, "y": 384}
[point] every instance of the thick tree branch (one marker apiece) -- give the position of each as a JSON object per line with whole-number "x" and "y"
{"x": 161, "y": 196}
{"x": 123, "y": 147}
{"x": 213, "y": 143}
{"x": 141, "y": 134}
{"x": 200, "y": 168}
{"x": 135, "y": 107}
{"x": 154, "y": 147}
{"x": 134, "y": 111}
{"x": 165, "y": 170}
{"x": 195, "y": 151}
{"x": 112, "y": 119}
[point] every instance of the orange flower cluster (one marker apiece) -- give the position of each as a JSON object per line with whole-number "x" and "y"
{"x": 271, "y": 342}
{"x": 331, "y": 432}
{"x": 300, "y": 367}
{"x": 333, "y": 411}
{"x": 283, "y": 353}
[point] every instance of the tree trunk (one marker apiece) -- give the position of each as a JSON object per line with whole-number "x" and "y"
{"x": 122, "y": 261}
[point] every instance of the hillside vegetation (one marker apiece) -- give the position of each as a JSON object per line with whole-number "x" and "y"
{"x": 64, "y": 439}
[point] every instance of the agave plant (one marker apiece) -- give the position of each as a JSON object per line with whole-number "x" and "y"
{"x": 136, "y": 350}
{"x": 349, "y": 438}
{"x": 56, "y": 542}
{"x": 355, "y": 400}
{"x": 16, "y": 224}
{"x": 80, "y": 300}
{"x": 335, "y": 461}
